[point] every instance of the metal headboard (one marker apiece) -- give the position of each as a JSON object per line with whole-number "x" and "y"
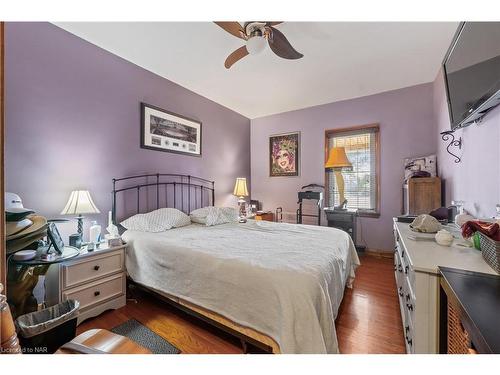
{"x": 158, "y": 190}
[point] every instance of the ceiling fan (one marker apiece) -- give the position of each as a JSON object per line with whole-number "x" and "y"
{"x": 256, "y": 33}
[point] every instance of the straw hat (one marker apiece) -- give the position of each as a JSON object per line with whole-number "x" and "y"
{"x": 25, "y": 227}
{"x": 14, "y": 227}
{"x": 24, "y": 242}
{"x": 24, "y": 233}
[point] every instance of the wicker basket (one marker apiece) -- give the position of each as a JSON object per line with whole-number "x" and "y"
{"x": 458, "y": 338}
{"x": 491, "y": 251}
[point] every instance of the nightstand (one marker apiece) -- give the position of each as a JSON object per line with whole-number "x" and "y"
{"x": 95, "y": 278}
{"x": 345, "y": 220}
{"x": 266, "y": 216}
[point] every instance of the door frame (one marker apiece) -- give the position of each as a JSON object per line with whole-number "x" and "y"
{"x": 3, "y": 266}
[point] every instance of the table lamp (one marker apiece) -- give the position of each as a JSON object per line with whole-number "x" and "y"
{"x": 337, "y": 160}
{"x": 241, "y": 191}
{"x": 80, "y": 202}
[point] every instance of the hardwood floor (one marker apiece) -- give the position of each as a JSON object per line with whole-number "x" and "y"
{"x": 368, "y": 322}
{"x": 369, "y": 319}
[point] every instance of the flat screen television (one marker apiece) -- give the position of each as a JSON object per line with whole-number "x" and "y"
{"x": 472, "y": 72}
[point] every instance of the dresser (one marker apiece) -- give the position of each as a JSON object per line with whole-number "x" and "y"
{"x": 416, "y": 269}
{"x": 96, "y": 279}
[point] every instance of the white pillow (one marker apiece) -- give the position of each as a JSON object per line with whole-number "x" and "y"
{"x": 157, "y": 221}
{"x": 214, "y": 215}
{"x": 200, "y": 215}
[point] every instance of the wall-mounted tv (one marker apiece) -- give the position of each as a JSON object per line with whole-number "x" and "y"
{"x": 472, "y": 72}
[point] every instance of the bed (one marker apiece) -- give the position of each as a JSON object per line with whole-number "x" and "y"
{"x": 272, "y": 283}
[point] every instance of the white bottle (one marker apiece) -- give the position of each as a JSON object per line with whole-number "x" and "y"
{"x": 95, "y": 232}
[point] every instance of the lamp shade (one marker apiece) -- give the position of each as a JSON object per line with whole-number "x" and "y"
{"x": 337, "y": 159}
{"x": 80, "y": 202}
{"x": 240, "y": 188}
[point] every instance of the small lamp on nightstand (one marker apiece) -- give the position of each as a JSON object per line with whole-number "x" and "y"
{"x": 80, "y": 202}
{"x": 241, "y": 191}
{"x": 337, "y": 160}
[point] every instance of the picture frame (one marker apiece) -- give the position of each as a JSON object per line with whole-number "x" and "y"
{"x": 165, "y": 131}
{"x": 284, "y": 154}
{"x": 55, "y": 238}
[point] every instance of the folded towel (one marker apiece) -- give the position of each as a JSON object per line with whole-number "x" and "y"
{"x": 491, "y": 230}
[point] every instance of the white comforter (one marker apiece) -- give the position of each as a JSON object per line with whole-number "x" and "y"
{"x": 284, "y": 280}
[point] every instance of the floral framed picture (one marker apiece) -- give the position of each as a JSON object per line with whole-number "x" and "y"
{"x": 284, "y": 154}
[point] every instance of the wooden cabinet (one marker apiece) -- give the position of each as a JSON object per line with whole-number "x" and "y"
{"x": 96, "y": 279}
{"x": 421, "y": 195}
{"x": 266, "y": 216}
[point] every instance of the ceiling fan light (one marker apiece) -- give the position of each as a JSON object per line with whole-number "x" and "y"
{"x": 256, "y": 44}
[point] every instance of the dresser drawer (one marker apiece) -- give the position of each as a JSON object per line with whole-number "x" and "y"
{"x": 409, "y": 335}
{"x": 409, "y": 301}
{"x": 97, "y": 292}
{"x": 90, "y": 269}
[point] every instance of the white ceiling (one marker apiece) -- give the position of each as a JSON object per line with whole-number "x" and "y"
{"x": 341, "y": 60}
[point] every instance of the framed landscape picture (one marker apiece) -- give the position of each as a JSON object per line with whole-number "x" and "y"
{"x": 165, "y": 131}
{"x": 284, "y": 154}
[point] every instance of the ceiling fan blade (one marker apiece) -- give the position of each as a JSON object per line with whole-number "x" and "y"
{"x": 281, "y": 46}
{"x": 236, "y": 56}
{"x": 233, "y": 28}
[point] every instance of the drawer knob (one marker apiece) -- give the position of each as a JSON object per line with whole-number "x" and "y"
{"x": 400, "y": 269}
{"x": 97, "y": 293}
{"x": 409, "y": 306}
{"x": 96, "y": 268}
{"x": 407, "y": 269}
{"x": 400, "y": 291}
{"x": 409, "y": 341}
{"x": 408, "y": 297}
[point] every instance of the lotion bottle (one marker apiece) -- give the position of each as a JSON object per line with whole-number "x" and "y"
{"x": 95, "y": 233}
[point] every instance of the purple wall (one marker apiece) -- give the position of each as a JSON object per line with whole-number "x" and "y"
{"x": 406, "y": 129}
{"x": 476, "y": 180}
{"x": 73, "y": 121}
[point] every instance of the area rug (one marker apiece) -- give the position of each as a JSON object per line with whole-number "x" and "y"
{"x": 145, "y": 337}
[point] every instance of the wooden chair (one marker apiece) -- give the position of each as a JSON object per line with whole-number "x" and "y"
{"x": 94, "y": 341}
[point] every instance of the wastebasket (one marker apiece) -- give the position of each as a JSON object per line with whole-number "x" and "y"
{"x": 44, "y": 331}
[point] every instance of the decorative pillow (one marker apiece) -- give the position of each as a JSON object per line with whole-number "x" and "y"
{"x": 200, "y": 215}
{"x": 214, "y": 215}
{"x": 157, "y": 221}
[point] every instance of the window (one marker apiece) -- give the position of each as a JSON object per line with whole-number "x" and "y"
{"x": 362, "y": 182}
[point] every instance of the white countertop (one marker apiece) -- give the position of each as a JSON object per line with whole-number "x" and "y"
{"x": 427, "y": 256}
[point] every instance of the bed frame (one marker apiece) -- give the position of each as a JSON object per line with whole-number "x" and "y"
{"x": 153, "y": 191}
{"x": 186, "y": 193}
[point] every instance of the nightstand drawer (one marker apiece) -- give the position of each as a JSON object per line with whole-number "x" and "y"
{"x": 90, "y": 269}
{"x": 97, "y": 292}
